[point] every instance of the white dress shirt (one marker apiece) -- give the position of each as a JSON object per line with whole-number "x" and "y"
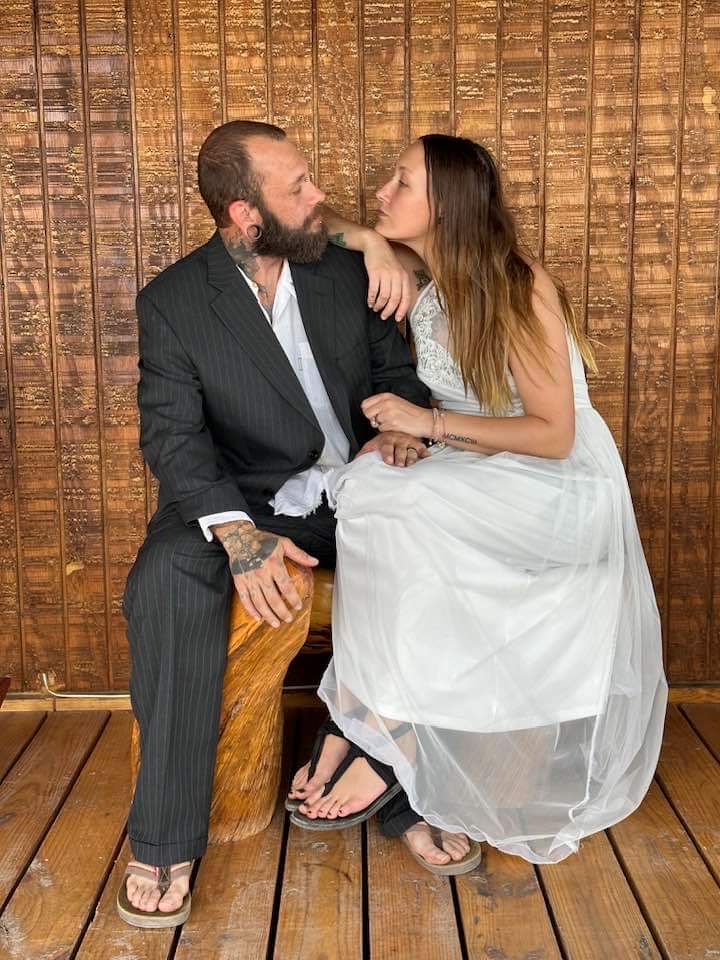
{"x": 302, "y": 493}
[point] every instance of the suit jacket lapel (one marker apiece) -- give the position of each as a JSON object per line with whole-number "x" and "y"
{"x": 238, "y": 309}
{"x": 316, "y": 299}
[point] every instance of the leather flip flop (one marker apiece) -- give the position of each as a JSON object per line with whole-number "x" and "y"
{"x": 454, "y": 868}
{"x": 156, "y": 919}
{"x": 323, "y": 824}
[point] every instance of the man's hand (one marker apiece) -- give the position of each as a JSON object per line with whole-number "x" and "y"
{"x": 389, "y": 287}
{"x": 397, "y": 449}
{"x": 388, "y": 412}
{"x": 259, "y": 572}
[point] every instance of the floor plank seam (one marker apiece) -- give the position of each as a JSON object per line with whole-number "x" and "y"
{"x": 364, "y": 892}
{"x": 92, "y": 911}
{"x": 686, "y": 827}
{"x": 555, "y": 926}
{"x": 51, "y": 822}
{"x": 714, "y": 753}
{"x": 646, "y": 915}
{"x": 277, "y": 895}
{"x": 177, "y": 936}
{"x": 21, "y": 752}
{"x": 462, "y": 940}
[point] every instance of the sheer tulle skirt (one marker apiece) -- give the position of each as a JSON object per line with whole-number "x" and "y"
{"x": 496, "y": 640}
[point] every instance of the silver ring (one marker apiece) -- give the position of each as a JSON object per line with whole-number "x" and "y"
{"x": 374, "y": 423}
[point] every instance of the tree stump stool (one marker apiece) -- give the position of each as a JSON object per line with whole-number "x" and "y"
{"x": 247, "y": 769}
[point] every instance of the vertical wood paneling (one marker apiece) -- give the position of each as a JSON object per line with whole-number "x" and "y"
{"x": 293, "y": 100}
{"x": 338, "y": 66}
{"x": 696, "y": 336}
{"x": 566, "y": 150}
{"x": 17, "y": 110}
{"x": 654, "y": 279}
{"x": 116, "y": 284}
{"x": 160, "y": 170}
{"x": 521, "y": 114}
{"x": 156, "y": 133}
{"x": 432, "y": 72}
{"x": 386, "y": 127}
{"x": 202, "y": 104}
{"x": 610, "y": 221}
{"x": 246, "y": 76}
{"x": 476, "y": 28}
{"x": 609, "y": 144}
{"x": 70, "y": 276}
{"x": 28, "y": 326}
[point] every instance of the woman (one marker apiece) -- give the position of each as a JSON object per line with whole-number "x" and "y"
{"x": 496, "y": 638}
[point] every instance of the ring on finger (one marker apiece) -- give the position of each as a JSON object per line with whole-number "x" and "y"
{"x": 374, "y": 423}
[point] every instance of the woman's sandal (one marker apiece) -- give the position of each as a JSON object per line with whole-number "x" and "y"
{"x": 163, "y": 877}
{"x": 325, "y": 728}
{"x": 340, "y": 823}
{"x": 454, "y": 868}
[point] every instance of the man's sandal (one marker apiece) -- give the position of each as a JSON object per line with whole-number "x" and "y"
{"x": 321, "y": 824}
{"x": 163, "y": 877}
{"x": 328, "y": 727}
{"x": 454, "y": 868}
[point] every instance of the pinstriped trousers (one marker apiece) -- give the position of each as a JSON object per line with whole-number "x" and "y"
{"x": 177, "y": 603}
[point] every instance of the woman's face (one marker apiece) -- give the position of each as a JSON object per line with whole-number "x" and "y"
{"x": 404, "y": 213}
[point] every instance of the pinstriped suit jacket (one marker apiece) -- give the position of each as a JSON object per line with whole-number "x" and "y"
{"x": 224, "y": 420}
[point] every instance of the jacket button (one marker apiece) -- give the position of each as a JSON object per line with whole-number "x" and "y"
{"x": 314, "y": 454}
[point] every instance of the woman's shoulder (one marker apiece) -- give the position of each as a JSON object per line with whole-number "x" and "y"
{"x": 545, "y": 297}
{"x": 415, "y": 268}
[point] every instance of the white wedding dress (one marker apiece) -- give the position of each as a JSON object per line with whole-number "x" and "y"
{"x": 496, "y": 638}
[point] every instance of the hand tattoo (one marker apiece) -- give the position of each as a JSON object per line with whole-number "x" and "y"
{"x": 454, "y": 436}
{"x": 247, "y": 547}
{"x": 338, "y": 239}
{"x": 421, "y": 279}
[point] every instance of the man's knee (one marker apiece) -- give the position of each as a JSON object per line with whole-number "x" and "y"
{"x": 170, "y": 559}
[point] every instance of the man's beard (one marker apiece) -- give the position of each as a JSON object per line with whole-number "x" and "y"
{"x": 297, "y": 244}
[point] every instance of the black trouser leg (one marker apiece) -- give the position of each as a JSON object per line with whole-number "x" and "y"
{"x": 397, "y": 816}
{"x": 177, "y": 605}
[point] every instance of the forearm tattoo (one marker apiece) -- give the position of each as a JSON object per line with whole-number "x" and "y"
{"x": 247, "y": 547}
{"x": 457, "y": 439}
{"x": 421, "y": 279}
{"x": 338, "y": 239}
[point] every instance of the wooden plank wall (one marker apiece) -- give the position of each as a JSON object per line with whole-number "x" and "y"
{"x": 604, "y": 117}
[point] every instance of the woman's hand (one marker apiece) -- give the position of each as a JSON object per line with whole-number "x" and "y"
{"x": 386, "y": 412}
{"x": 390, "y": 287}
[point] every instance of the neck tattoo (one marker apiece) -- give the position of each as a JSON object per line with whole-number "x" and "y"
{"x": 241, "y": 254}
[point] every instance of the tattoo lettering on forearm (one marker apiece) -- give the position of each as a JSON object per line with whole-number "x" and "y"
{"x": 248, "y": 548}
{"x": 338, "y": 239}
{"x": 421, "y": 279}
{"x": 457, "y": 439}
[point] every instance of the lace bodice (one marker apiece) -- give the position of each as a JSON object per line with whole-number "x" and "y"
{"x": 441, "y": 374}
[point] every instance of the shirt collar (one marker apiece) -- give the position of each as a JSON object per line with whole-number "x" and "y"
{"x": 285, "y": 286}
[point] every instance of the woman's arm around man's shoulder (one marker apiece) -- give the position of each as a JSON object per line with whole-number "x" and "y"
{"x": 395, "y": 273}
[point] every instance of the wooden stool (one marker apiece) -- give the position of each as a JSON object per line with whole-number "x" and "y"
{"x": 247, "y": 769}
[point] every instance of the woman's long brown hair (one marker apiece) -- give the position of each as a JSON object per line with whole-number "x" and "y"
{"x": 481, "y": 271}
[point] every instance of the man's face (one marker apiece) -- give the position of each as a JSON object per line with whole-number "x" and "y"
{"x": 291, "y": 224}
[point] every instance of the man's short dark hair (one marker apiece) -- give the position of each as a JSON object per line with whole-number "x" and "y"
{"x": 225, "y": 170}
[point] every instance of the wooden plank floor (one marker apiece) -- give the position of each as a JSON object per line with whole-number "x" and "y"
{"x": 647, "y": 888}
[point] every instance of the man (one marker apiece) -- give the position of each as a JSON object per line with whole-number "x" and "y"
{"x": 256, "y": 351}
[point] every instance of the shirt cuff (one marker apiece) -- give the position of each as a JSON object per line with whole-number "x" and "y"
{"x": 226, "y": 517}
